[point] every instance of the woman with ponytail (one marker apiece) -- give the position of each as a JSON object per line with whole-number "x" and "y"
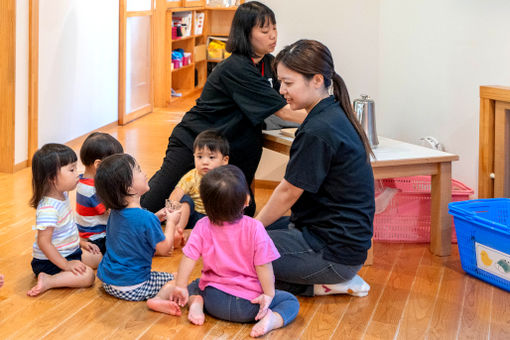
{"x": 328, "y": 183}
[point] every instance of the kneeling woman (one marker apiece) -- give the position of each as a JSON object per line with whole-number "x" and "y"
{"x": 328, "y": 183}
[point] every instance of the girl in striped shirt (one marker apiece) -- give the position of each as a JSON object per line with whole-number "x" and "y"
{"x": 57, "y": 257}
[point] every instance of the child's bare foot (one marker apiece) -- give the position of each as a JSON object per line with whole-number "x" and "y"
{"x": 164, "y": 306}
{"x": 266, "y": 324}
{"x": 41, "y": 285}
{"x": 196, "y": 310}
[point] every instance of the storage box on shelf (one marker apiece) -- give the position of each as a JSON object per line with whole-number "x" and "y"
{"x": 186, "y": 74}
{"x": 407, "y": 217}
{"x": 483, "y": 235}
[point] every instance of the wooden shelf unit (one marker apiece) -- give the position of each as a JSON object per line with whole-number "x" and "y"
{"x": 192, "y": 77}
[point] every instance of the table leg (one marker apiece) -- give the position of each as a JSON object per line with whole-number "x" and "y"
{"x": 440, "y": 226}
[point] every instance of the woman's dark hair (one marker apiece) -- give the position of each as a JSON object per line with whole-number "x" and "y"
{"x": 98, "y": 145}
{"x": 224, "y": 191}
{"x": 46, "y": 164}
{"x": 113, "y": 179}
{"x": 310, "y": 57}
{"x": 213, "y": 140}
{"x": 246, "y": 17}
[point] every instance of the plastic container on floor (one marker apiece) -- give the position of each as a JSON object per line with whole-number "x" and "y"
{"x": 407, "y": 216}
{"x": 483, "y": 235}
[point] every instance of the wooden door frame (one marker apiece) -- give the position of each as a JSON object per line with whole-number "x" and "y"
{"x": 8, "y": 83}
{"x": 33, "y": 78}
{"x": 123, "y": 117}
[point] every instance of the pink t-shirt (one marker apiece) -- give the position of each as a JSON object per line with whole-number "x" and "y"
{"x": 230, "y": 254}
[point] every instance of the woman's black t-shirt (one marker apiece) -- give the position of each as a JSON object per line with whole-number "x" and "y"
{"x": 235, "y": 101}
{"x": 328, "y": 161}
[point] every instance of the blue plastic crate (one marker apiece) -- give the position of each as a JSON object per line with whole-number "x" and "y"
{"x": 483, "y": 236}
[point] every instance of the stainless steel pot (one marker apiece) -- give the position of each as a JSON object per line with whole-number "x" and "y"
{"x": 364, "y": 108}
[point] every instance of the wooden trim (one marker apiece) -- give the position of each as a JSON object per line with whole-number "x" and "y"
{"x": 501, "y": 150}
{"x": 33, "y": 79}
{"x": 159, "y": 56}
{"x": 122, "y": 61}
{"x": 138, "y": 13}
{"x": 486, "y": 149}
{"x": 101, "y": 129}
{"x": 123, "y": 116}
{"x": 7, "y": 83}
{"x": 136, "y": 114}
{"x": 21, "y": 165}
{"x": 265, "y": 184}
{"x": 495, "y": 92}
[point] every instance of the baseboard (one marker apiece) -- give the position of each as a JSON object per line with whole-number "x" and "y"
{"x": 20, "y": 165}
{"x": 265, "y": 184}
{"x": 102, "y": 128}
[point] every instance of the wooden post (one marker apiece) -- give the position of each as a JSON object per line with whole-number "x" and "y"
{"x": 7, "y": 83}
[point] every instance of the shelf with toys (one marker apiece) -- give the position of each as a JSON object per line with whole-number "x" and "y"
{"x": 182, "y": 35}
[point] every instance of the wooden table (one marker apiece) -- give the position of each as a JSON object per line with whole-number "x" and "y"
{"x": 398, "y": 159}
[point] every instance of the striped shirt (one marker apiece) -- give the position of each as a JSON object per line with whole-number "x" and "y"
{"x": 58, "y": 214}
{"x": 91, "y": 216}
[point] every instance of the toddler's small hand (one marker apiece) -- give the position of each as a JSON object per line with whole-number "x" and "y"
{"x": 180, "y": 296}
{"x": 173, "y": 216}
{"x": 264, "y": 301}
{"x": 91, "y": 247}
{"x": 161, "y": 214}
{"x": 76, "y": 267}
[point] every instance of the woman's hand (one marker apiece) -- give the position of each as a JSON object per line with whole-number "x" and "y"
{"x": 264, "y": 301}
{"x": 180, "y": 296}
{"x": 76, "y": 267}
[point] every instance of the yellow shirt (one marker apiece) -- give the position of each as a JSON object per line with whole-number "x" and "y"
{"x": 190, "y": 184}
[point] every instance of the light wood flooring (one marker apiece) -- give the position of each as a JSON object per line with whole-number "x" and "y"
{"x": 414, "y": 295}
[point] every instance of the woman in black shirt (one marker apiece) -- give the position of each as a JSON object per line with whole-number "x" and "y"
{"x": 328, "y": 183}
{"x": 236, "y": 98}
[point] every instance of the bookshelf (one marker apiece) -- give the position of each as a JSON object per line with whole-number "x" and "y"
{"x": 189, "y": 77}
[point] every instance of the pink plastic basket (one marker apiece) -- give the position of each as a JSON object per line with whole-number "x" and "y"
{"x": 407, "y": 216}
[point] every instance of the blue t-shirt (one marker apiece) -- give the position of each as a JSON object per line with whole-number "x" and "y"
{"x": 131, "y": 238}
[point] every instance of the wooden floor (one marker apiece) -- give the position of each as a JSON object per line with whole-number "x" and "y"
{"x": 414, "y": 294}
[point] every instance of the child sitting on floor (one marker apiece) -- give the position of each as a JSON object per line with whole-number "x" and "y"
{"x": 57, "y": 257}
{"x": 91, "y": 215}
{"x": 237, "y": 282}
{"x": 210, "y": 150}
{"x": 133, "y": 234}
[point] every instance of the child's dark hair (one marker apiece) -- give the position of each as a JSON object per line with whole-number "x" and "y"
{"x": 224, "y": 191}
{"x": 98, "y": 145}
{"x": 213, "y": 140}
{"x": 46, "y": 164}
{"x": 113, "y": 179}
{"x": 310, "y": 57}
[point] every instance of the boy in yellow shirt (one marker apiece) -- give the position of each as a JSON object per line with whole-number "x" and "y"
{"x": 210, "y": 150}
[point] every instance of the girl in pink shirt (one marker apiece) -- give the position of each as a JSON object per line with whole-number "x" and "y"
{"x": 237, "y": 282}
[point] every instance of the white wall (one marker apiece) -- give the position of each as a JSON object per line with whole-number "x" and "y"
{"x": 21, "y": 96}
{"x": 434, "y": 55}
{"x": 422, "y": 61}
{"x": 78, "y": 67}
